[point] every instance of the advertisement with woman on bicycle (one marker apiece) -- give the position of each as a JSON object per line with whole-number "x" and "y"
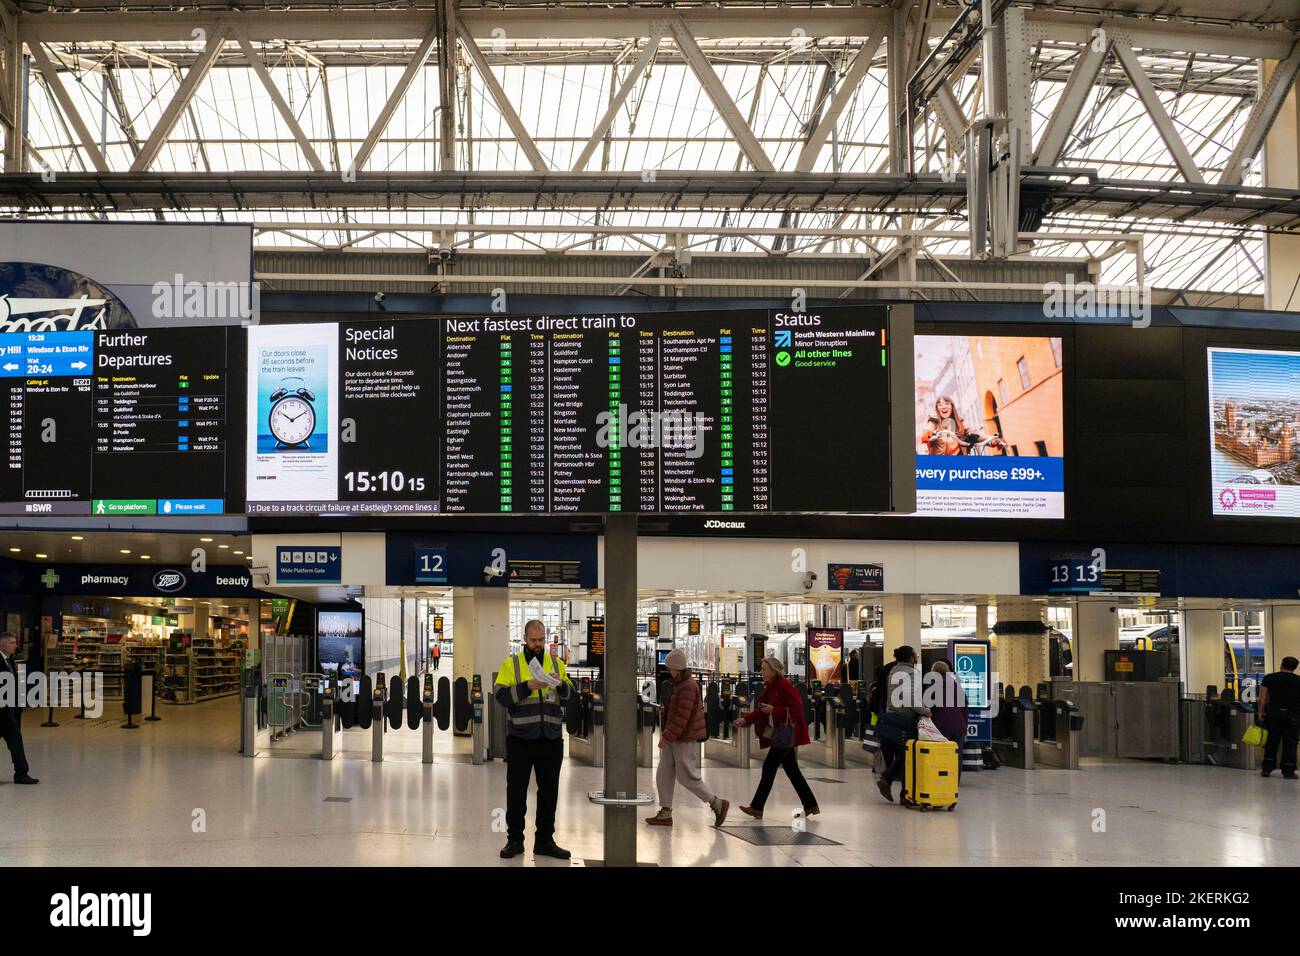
{"x": 989, "y": 426}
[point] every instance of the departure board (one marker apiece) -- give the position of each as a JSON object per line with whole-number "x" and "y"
{"x": 120, "y": 422}
{"x": 709, "y": 412}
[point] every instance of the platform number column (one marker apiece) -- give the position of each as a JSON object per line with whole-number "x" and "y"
{"x": 505, "y": 364}
{"x": 615, "y": 411}
{"x": 727, "y": 424}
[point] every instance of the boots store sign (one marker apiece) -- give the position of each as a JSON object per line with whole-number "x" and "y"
{"x": 125, "y": 580}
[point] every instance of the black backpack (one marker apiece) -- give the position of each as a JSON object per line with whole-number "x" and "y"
{"x": 876, "y": 696}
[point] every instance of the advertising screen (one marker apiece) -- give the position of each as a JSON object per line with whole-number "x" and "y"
{"x": 1254, "y": 417}
{"x": 343, "y": 418}
{"x": 120, "y": 422}
{"x": 989, "y": 426}
{"x": 826, "y": 653}
{"x": 341, "y": 642}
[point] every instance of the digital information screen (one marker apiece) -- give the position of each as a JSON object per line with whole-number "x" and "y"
{"x": 990, "y": 426}
{"x": 119, "y": 423}
{"x": 1254, "y": 432}
{"x": 703, "y": 412}
{"x": 709, "y": 412}
{"x": 343, "y": 418}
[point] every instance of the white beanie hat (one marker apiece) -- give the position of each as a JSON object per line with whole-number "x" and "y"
{"x": 676, "y": 660}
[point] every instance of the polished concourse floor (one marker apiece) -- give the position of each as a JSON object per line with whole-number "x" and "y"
{"x": 115, "y": 797}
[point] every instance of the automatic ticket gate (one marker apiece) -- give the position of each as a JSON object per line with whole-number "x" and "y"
{"x": 1057, "y": 738}
{"x": 1013, "y": 729}
{"x": 727, "y": 744}
{"x": 1224, "y": 721}
{"x": 367, "y": 705}
{"x": 647, "y": 718}
{"x": 587, "y": 724}
{"x": 831, "y": 724}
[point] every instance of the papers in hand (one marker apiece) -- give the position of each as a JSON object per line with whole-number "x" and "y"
{"x": 539, "y": 674}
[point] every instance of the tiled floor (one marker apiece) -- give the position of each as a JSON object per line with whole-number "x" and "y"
{"x": 110, "y": 796}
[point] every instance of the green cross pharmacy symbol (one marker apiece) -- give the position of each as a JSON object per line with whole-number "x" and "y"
{"x": 49, "y": 578}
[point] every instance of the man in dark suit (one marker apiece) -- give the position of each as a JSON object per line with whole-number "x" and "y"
{"x": 11, "y": 716}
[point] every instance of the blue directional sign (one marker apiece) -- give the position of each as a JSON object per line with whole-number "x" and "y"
{"x": 46, "y": 354}
{"x": 309, "y": 564}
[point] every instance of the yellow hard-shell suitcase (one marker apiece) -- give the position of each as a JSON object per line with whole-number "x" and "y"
{"x": 930, "y": 774}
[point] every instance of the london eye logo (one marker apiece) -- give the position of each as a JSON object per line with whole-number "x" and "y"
{"x": 1227, "y": 499}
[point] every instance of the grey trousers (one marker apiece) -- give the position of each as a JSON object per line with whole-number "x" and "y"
{"x": 680, "y": 761}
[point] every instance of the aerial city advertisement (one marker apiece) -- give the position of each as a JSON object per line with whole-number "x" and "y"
{"x": 1254, "y": 414}
{"x": 989, "y": 426}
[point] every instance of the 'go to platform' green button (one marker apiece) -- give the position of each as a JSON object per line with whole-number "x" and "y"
{"x": 125, "y": 506}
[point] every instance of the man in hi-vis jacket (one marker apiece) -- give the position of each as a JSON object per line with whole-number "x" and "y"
{"x": 534, "y": 740}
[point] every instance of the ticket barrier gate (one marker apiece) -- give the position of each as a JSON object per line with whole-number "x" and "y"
{"x": 478, "y": 741}
{"x": 341, "y": 708}
{"x": 860, "y": 743}
{"x": 1057, "y": 740}
{"x": 730, "y": 745}
{"x": 647, "y": 718}
{"x": 1226, "y": 720}
{"x": 828, "y": 750}
{"x": 331, "y": 736}
{"x": 283, "y": 705}
{"x": 1013, "y": 729}
{"x": 588, "y": 745}
{"x": 426, "y": 717}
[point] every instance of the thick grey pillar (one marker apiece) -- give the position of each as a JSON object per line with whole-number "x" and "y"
{"x": 620, "y": 686}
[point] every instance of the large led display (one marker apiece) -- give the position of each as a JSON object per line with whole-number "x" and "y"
{"x": 1254, "y": 417}
{"x": 989, "y": 426}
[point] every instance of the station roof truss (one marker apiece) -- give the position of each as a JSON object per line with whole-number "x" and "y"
{"x": 761, "y": 129}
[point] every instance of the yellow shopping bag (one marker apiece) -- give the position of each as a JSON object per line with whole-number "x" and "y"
{"x": 1255, "y": 736}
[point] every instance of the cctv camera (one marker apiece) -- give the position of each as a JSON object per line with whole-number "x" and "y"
{"x": 490, "y": 572}
{"x": 808, "y": 580}
{"x": 379, "y": 297}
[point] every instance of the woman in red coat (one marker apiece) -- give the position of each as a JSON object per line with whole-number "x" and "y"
{"x": 778, "y": 704}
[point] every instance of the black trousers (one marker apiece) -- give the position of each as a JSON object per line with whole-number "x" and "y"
{"x": 1283, "y": 731}
{"x": 895, "y": 756}
{"x": 787, "y": 759}
{"x": 523, "y": 758}
{"x": 435, "y": 662}
{"x": 11, "y": 728}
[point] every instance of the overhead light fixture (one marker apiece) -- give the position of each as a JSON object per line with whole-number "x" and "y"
{"x": 77, "y": 537}
{"x": 42, "y": 555}
{"x": 239, "y": 552}
{"x": 14, "y": 550}
{"x": 144, "y": 557}
{"x": 124, "y": 551}
{"x": 205, "y": 539}
{"x": 223, "y": 546}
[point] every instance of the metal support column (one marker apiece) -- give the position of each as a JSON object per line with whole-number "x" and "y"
{"x": 620, "y": 687}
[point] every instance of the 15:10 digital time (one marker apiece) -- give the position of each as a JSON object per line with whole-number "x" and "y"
{"x": 366, "y": 482}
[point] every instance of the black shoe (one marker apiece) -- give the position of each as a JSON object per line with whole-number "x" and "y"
{"x": 1288, "y": 776}
{"x": 511, "y": 850}
{"x": 551, "y": 850}
{"x": 25, "y": 778}
{"x": 1265, "y": 773}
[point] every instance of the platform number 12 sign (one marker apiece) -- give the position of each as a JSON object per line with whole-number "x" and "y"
{"x": 430, "y": 566}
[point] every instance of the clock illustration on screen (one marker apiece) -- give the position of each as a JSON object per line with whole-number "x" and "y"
{"x": 293, "y": 416}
